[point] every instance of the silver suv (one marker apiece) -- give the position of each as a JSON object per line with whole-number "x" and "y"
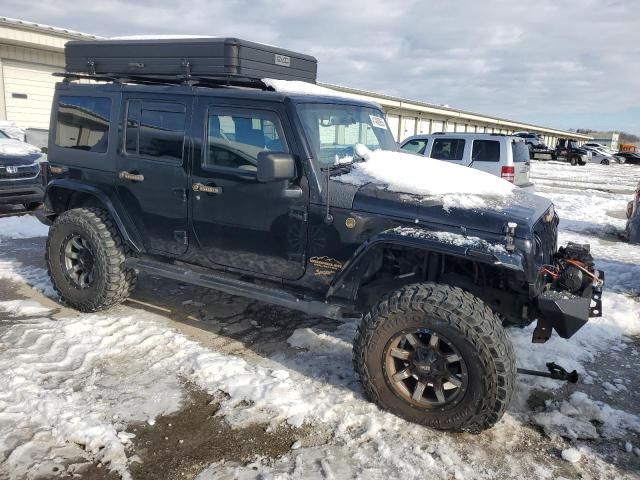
{"x": 502, "y": 155}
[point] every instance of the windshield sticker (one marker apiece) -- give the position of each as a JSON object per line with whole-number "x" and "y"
{"x": 378, "y": 122}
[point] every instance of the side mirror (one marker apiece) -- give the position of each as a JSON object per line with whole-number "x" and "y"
{"x": 274, "y": 166}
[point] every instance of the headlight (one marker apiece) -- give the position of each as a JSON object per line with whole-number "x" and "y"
{"x": 550, "y": 215}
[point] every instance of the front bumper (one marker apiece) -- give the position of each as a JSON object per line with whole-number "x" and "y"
{"x": 21, "y": 191}
{"x": 567, "y": 313}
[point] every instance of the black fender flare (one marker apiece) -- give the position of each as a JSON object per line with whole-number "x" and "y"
{"x": 127, "y": 229}
{"x": 476, "y": 250}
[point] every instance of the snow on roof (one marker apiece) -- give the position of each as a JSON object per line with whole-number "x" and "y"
{"x": 296, "y": 87}
{"x": 44, "y": 27}
{"x": 455, "y": 185}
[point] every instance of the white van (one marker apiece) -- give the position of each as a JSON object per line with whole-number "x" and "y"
{"x": 505, "y": 156}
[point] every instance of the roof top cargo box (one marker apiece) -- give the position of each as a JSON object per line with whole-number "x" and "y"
{"x": 199, "y": 57}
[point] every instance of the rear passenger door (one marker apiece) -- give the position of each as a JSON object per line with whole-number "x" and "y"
{"x": 152, "y": 176}
{"x": 450, "y": 150}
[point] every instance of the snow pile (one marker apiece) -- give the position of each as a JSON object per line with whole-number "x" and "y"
{"x": 571, "y": 455}
{"x": 454, "y": 185}
{"x": 575, "y": 419}
{"x": 23, "y": 308}
{"x": 24, "y": 226}
{"x": 12, "y": 130}
{"x": 456, "y": 239}
{"x": 296, "y": 87}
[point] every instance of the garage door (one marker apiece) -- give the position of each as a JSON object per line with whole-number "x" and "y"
{"x": 28, "y": 93}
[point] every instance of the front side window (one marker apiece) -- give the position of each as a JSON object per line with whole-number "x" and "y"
{"x": 235, "y": 137}
{"x": 82, "y": 123}
{"x": 416, "y": 146}
{"x": 448, "y": 149}
{"x": 334, "y": 129}
{"x": 155, "y": 130}
{"x": 486, "y": 151}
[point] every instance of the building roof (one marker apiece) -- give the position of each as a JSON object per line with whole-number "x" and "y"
{"x": 43, "y": 28}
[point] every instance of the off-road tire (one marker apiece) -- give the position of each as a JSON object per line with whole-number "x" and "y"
{"x": 113, "y": 281}
{"x": 466, "y": 321}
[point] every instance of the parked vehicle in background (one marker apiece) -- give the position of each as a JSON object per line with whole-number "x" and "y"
{"x": 239, "y": 190}
{"x": 11, "y": 130}
{"x": 603, "y": 157}
{"x": 22, "y": 173}
{"x": 632, "y": 230}
{"x": 533, "y": 140}
{"x": 629, "y": 147}
{"x": 567, "y": 150}
{"x": 630, "y": 157}
{"x": 501, "y": 155}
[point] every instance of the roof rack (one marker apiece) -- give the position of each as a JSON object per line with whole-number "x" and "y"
{"x": 207, "y": 61}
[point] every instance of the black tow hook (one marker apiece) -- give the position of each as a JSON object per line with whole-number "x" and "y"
{"x": 555, "y": 371}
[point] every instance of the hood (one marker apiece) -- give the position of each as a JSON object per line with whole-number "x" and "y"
{"x": 491, "y": 217}
{"x": 15, "y": 152}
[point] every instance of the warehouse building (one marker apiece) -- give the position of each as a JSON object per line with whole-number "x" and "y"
{"x": 30, "y": 53}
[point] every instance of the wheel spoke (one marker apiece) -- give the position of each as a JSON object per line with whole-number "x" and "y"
{"x": 433, "y": 341}
{"x": 455, "y": 381}
{"x": 83, "y": 278}
{"x": 418, "y": 391}
{"x": 401, "y": 375}
{"x": 73, "y": 255}
{"x": 413, "y": 340}
{"x": 439, "y": 391}
{"x": 454, "y": 357}
{"x": 400, "y": 353}
{"x": 76, "y": 243}
{"x": 76, "y": 268}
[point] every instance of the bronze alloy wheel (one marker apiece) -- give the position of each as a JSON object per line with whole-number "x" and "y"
{"x": 78, "y": 261}
{"x": 425, "y": 369}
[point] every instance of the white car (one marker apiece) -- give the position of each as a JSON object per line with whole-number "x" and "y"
{"x": 504, "y": 156}
{"x": 603, "y": 156}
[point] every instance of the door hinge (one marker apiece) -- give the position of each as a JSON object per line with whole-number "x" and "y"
{"x": 181, "y": 237}
{"x": 299, "y": 213}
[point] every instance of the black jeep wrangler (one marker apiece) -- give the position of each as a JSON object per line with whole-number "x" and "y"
{"x": 189, "y": 177}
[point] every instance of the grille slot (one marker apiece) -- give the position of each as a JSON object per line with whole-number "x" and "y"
{"x": 546, "y": 239}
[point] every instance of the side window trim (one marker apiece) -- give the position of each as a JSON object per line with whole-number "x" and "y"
{"x": 154, "y": 106}
{"x": 226, "y": 110}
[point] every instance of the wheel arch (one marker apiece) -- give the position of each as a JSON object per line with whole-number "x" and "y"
{"x": 64, "y": 194}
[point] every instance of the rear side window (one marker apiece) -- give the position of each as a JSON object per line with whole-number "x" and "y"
{"x": 155, "y": 130}
{"x": 448, "y": 149}
{"x": 415, "y": 146}
{"x": 486, "y": 151}
{"x": 520, "y": 152}
{"x": 82, "y": 123}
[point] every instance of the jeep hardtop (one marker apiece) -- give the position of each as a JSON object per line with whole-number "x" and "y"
{"x": 238, "y": 189}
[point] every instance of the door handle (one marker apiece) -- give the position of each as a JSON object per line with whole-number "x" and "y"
{"x": 211, "y": 188}
{"x": 131, "y": 176}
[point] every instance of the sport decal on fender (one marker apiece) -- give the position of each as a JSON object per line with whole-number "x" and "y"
{"x": 325, "y": 265}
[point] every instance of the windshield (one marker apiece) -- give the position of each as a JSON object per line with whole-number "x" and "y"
{"x": 334, "y": 129}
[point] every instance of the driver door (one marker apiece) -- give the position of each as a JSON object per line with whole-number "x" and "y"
{"x": 237, "y": 221}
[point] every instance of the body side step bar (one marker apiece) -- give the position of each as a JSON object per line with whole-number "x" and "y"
{"x": 233, "y": 286}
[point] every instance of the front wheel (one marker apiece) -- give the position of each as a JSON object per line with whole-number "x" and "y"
{"x": 604, "y": 162}
{"x": 574, "y": 161}
{"x": 85, "y": 257}
{"x": 436, "y": 355}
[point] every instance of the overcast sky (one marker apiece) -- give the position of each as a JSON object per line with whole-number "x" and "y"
{"x": 568, "y": 64}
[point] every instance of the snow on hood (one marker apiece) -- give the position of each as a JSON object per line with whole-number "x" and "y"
{"x": 16, "y": 148}
{"x": 296, "y": 87}
{"x": 454, "y": 185}
{"x": 12, "y": 130}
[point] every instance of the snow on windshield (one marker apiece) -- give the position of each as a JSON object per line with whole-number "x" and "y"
{"x": 454, "y": 185}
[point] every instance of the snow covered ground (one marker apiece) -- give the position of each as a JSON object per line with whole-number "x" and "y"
{"x": 77, "y": 391}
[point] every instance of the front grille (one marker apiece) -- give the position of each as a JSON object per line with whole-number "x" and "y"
{"x": 546, "y": 240}
{"x": 23, "y": 172}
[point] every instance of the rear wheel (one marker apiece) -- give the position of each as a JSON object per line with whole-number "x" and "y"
{"x": 85, "y": 257}
{"x": 436, "y": 355}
